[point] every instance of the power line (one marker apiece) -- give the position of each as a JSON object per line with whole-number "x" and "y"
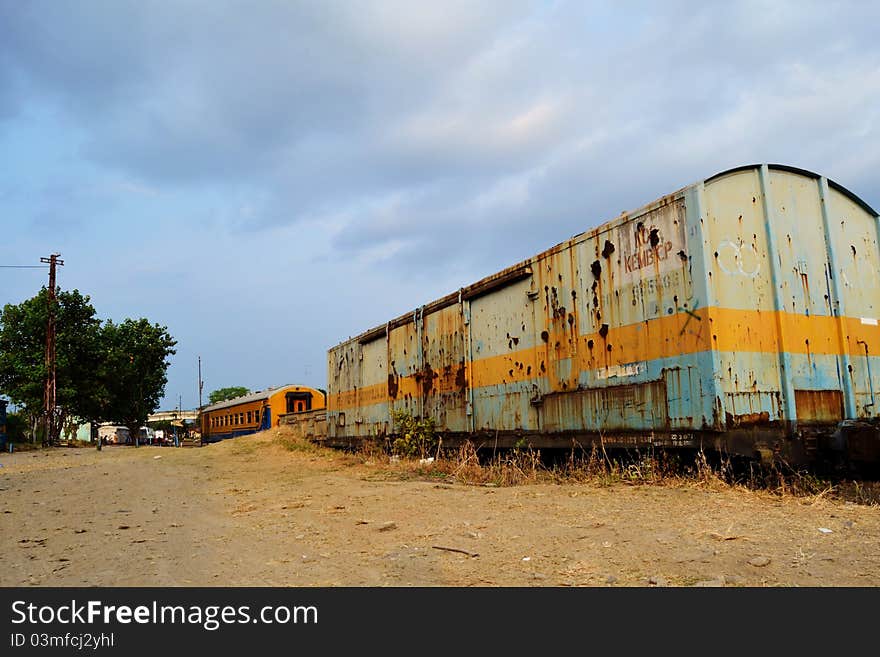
{"x": 22, "y": 266}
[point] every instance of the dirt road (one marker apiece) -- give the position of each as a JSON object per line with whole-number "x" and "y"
{"x": 249, "y": 512}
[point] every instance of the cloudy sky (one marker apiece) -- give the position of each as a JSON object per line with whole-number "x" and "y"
{"x": 268, "y": 178}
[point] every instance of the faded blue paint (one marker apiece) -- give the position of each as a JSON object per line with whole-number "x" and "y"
{"x": 815, "y": 372}
{"x": 785, "y": 386}
{"x": 698, "y": 253}
{"x": 838, "y": 302}
{"x": 497, "y": 407}
{"x": 217, "y": 437}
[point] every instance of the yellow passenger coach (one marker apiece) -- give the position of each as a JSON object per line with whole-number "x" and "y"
{"x": 257, "y": 411}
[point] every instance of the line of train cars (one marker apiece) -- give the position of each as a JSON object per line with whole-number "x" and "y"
{"x": 257, "y": 411}
{"x": 739, "y": 313}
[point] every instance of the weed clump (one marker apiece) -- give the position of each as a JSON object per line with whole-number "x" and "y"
{"x": 413, "y": 436}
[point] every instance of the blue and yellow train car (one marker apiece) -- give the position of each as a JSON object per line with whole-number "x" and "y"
{"x": 739, "y": 313}
{"x": 257, "y": 411}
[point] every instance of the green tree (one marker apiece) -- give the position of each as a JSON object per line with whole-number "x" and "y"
{"x": 227, "y": 393}
{"x": 114, "y": 372}
{"x": 134, "y": 374}
{"x": 77, "y": 356}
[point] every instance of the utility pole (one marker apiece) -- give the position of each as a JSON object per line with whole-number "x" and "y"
{"x": 49, "y": 396}
{"x": 199, "y": 416}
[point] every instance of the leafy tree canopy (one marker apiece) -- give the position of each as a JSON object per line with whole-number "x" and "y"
{"x": 223, "y": 394}
{"x": 77, "y": 361}
{"x": 135, "y": 353}
{"x": 110, "y": 372}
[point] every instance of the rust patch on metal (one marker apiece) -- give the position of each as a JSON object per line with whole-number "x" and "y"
{"x": 425, "y": 378}
{"x": 393, "y": 384}
{"x": 824, "y": 406}
{"x": 607, "y": 249}
{"x": 747, "y": 419}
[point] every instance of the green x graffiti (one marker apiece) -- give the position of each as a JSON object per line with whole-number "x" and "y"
{"x": 690, "y": 313}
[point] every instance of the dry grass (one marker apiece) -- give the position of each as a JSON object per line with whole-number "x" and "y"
{"x": 519, "y": 467}
{"x": 525, "y": 467}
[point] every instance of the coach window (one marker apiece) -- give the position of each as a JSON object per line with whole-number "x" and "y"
{"x": 298, "y": 402}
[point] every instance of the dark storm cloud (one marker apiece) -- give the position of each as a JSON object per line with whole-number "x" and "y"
{"x": 212, "y": 91}
{"x": 482, "y": 133}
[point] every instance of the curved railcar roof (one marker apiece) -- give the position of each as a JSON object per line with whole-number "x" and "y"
{"x": 803, "y": 172}
{"x": 259, "y": 395}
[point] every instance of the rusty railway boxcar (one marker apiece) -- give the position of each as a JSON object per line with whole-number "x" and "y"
{"x": 739, "y": 313}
